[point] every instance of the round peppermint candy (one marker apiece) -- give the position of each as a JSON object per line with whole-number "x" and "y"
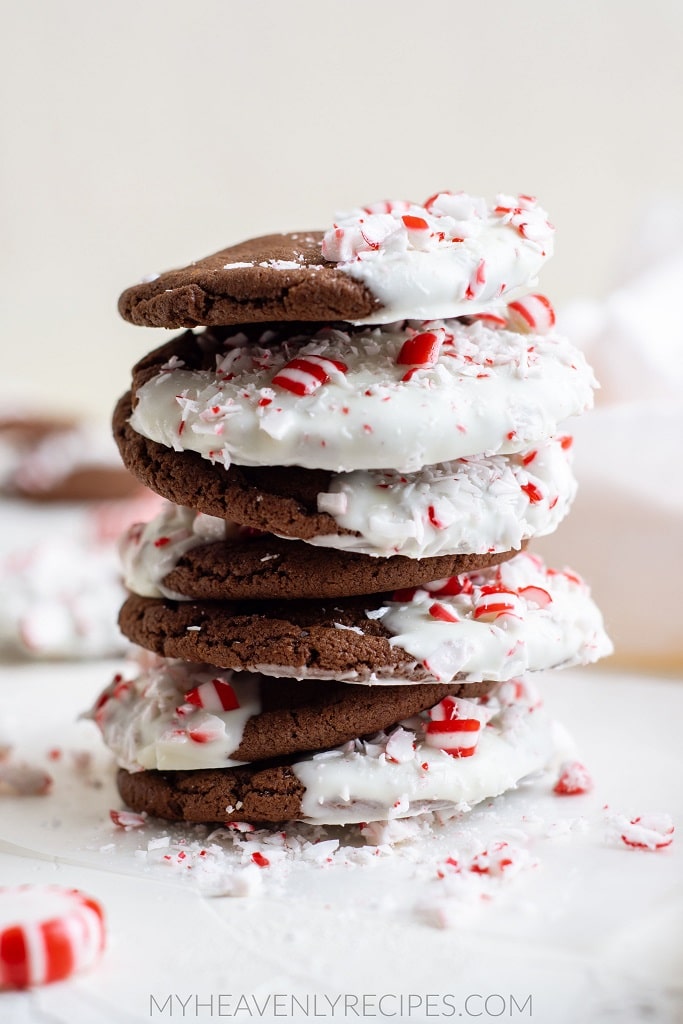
{"x": 47, "y": 933}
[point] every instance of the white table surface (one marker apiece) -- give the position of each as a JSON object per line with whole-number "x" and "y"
{"x": 590, "y": 929}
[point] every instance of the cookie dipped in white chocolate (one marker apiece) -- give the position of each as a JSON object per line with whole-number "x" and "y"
{"x": 384, "y": 779}
{"x": 498, "y": 623}
{"x": 450, "y": 257}
{"x": 150, "y": 551}
{"x": 176, "y": 715}
{"x": 475, "y": 505}
{"x": 403, "y": 396}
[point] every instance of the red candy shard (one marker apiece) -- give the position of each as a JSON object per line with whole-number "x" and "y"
{"x": 259, "y": 859}
{"x": 532, "y": 492}
{"x": 439, "y": 611}
{"x": 420, "y": 350}
{"x": 415, "y": 223}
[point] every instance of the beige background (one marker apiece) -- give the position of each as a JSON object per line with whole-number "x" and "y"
{"x": 143, "y": 133}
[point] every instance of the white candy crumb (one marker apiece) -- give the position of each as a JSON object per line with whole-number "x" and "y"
{"x": 649, "y": 831}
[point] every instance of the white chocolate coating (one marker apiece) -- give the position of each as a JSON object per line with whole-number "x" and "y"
{"x": 358, "y": 782}
{"x": 490, "y": 391}
{"x": 554, "y": 624}
{"x": 147, "y": 722}
{"x": 149, "y": 551}
{"x": 466, "y": 258}
{"x": 474, "y": 505}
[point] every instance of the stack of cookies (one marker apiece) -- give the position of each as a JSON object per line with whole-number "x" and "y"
{"x": 357, "y": 435}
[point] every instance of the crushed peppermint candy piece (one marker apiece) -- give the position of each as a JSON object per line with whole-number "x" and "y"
{"x": 47, "y": 932}
{"x": 495, "y": 602}
{"x": 574, "y": 779}
{"x": 305, "y": 374}
{"x": 457, "y": 737}
{"x": 400, "y": 746}
{"x": 451, "y": 252}
{"x": 652, "y": 831}
{"x": 533, "y": 313}
{"x": 421, "y": 350}
{"x": 128, "y": 819}
{"x": 216, "y": 695}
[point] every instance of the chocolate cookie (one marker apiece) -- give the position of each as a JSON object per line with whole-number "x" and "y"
{"x": 275, "y": 277}
{"x": 253, "y": 793}
{"x": 305, "y": 716}
{"x": 275, "y": 499}
{"x": 267, "y": 568}
{"x": 333, "y": 640}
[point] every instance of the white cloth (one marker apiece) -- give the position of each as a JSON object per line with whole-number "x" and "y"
{"x": 625, "y": 531}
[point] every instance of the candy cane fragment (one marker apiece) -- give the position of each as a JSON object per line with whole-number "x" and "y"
{"x": 217, "y": 695}
{"x": 305, "y": 374}
{"x": 420, "y": 350}
{"x": 533, "y": 313}
{"x": 457, "y": 737}
{"x": 574, "y": 780}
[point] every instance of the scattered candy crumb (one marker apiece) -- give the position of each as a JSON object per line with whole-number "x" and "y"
{"x": 574, "y": 779}
{"x": 650, "y": 831}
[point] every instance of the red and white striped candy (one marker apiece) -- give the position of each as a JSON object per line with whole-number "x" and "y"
{"x": 305, "y": 374}
{"x": 449, "y": 708}
{"x": 456, "y": 736}
{"x": 494, "y": 602}
{"x": 442, "y": 613}
{"x": 47, "y": 932}
{"x": 531, "y": 313}
{"x": 452, "y": 728}
{"x": 216, "y": 695}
